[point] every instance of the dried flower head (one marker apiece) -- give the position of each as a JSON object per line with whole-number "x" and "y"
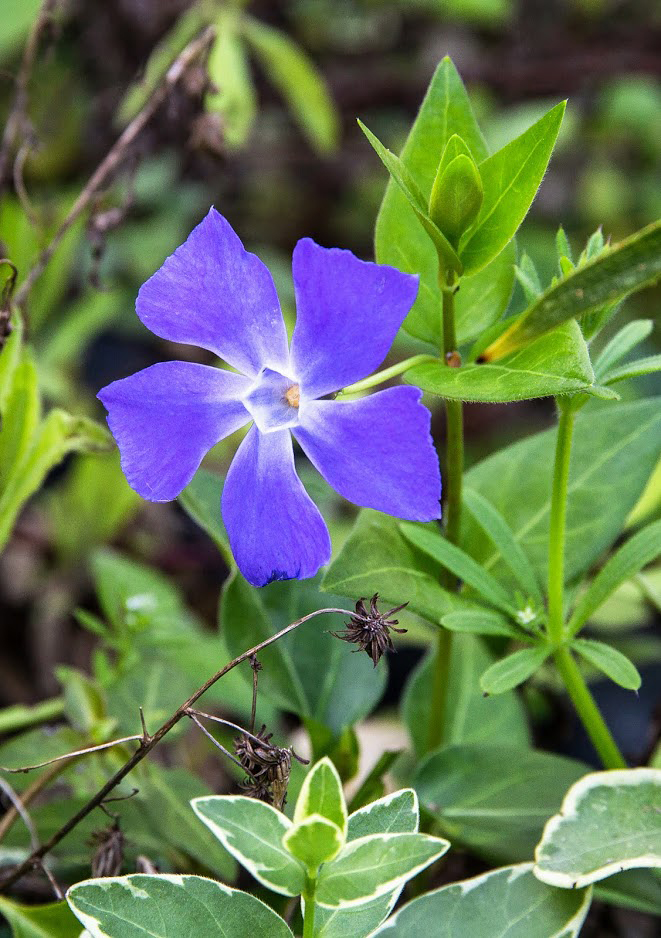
{"x": 268, "y": 767}
{"x": 109, "y": 854}
{"x": 370, "y": 630}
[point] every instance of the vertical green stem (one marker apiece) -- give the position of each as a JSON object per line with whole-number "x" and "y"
{"x": 452, "y": 483}
{"x": 308, "y": 918}
{"x": 569, "y": 671}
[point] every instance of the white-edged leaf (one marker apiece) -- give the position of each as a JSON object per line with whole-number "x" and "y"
{"x": 513, "y": 670}
{"x": 397, "y": 813}
{"x": 252, "y": 832}
{"x": 507, "y": 902}
{"x": 608, "y": 822}
{"x": 355, "y": 922}
{"x": 170, "y": 906}
{"x": 609, "y": 660}
{"x": 373, "y": 866}
{"x": 314, "y": 841}
{"x": 321, "y": 794}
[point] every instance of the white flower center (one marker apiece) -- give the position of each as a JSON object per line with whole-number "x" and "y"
{"x": 273, "y": 401}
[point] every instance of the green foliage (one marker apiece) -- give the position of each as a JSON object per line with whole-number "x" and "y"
{"x": 54, "y": 920}
{"x": 456, "y": 197}
{"x": 609, "y": 660}
{"x": 609, "y": 822}
{"x": 513, "y": 670}
{"x": 234, "y": 95}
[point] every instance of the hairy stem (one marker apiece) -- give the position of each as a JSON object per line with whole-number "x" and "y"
{"x": 147, "y": 743}
{"x": 588, "y": 711}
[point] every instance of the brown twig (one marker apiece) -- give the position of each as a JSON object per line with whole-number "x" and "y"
{"x": 17, "y": 122}
{"x": 147, "y": 743}
{"x": 116, "y": 154}
{"x": 28, "y": 796}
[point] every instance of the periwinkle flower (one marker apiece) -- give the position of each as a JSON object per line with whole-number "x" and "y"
{"x": 376, "y": 451}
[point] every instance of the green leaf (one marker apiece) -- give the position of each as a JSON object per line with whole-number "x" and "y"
{"x": 59, "y": 433}
{"x": 470, "y": 717}
{"x": 17, "y": 18}
{"x": 481, "y": 622}
{"x": 501, "y": 535}
{"x": 299, "y": 81}
{"x": 621, "y": 344}
{"x": 309, "y": 671}
{"x": 373, "y": 866}
{"x": 54, "y": 920}
{"x": 557, "y": 363}
{"x": 609, "y": 822}
{"x": 397, "y": 813}
{"x": 169, "y": 906}
{"x": 20, "y": 418}
{"x": 314, "y": 841}
{"x": 634, "y": 889}
{"x": 235, "y": 98}
{"x": 373, "y": 785}
{"x": 513, "y": 670}
{"x": 377, "y": 558}
{"x": 201, "y": 500}
{"x": 609, "y": 660}
{"x": 480, "y": 302}
{"x": 631, "y": 265}
{"x": 495, "y": 903}
{"x": 614, "y": 451}
{"x": 636, "y": 369}
{"x": 429, "y": 539}
{"x": 494, "y": 797}
{"x": 511, "y": 178}
{"x": 526, "y": 274}
{"x": 357, "y": 921}
{"x": 639, "y": 550}
{"x": 456, "y": 197}
{"x": 399, "y": 172}
{"x": 252, "y": 832}
{"x": 10, "y": 356}
{"x": 322, "y": 795}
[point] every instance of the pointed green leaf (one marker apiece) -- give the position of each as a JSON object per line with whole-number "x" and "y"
{"x": 321, "y": 794}
{"x": 557, "y": 363}
{"x": 234, "y": 95}
{"x": 511, "y": 178}
{"x": 631, "y": 265}
{"x": 252, "y": 832}
{"x": 299, "y": 82}
{"x": 499, "y": 902}
{"x": 407, "y": 184}
{"x": 609, "y": 660}
{"x": 526, "y": 274}
{"x": 170, "y": 906}
{"x": 494, "y": 797}
{"x": 373, "y": 866}
{"x": 626, "y": 339}
{"x": 498, "y": 530}
{"x": 638, "y": 551}
{"x": 397, "y": 813}
{"x": 314, "y": 841}
{"x": 20, "y": 418}
{"x": 480, "y": 622}
{"x": 636, "y": 369}
{"x": 470, "y": 716}
{"x": 431, "y": 541}
{"x": 609, "y": 822}
{"x": 10, "y": 356}
{"x": 55, "y": 920}
{"x": 513, "y": 670}
{"x": 456, "y": 197}
{"x": 201, "y": 500}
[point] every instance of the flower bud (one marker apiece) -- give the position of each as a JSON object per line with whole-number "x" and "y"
{"x": 456, "y": 195}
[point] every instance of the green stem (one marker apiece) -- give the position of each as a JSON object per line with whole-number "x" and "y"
{"x": 21, "y": 717}
{"x": 386, "y": 374}
{"x": 588, "y": 711}
{"x": 452, "y": 484}
{"x": 308, "y": 918}
{"x": 558, "y": 524}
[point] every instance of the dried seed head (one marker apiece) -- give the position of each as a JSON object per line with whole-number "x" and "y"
{"x": 370, "y": 629}
{"x": 108, "y": 857}
{"x": 268, "y": 767}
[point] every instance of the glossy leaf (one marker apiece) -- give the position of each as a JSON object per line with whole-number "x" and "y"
{"x": 313, "y": 841}
{"x": 609, "y": 822}
{"x": 470, "y": 717}
{"x": 169, "y": 906}
{"x": 614, "y": 451}
{"x": 508, "y": 902}
{"x": 631, "y": 265}
{"x": 494, "y": 797}
{"x": 397, "y": 813}
{"x": 513, "y": 670}
{"x": 557, "y": 363}
{"x": 300, "y": 83}
{"x": 252, "y": 832}
{"x": 612, "y": 662}
{"x": 639, "y": 550}
{"x": 322, "y": 795}
{"x": 511, "y": 178}
{"x": 55, "y": 920}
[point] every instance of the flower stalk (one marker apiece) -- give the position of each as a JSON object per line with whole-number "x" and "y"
{"x": 380, "y": 377}
{"x": 308, "y": 918}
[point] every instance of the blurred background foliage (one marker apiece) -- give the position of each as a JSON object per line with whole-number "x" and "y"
{"x": 267, "y": 133}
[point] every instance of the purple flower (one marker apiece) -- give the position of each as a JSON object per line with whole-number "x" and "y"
{"x": 376, "y": 452}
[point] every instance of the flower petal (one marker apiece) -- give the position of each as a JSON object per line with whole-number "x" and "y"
{"x": 211, "y": 292}
{"x": 348, "y": 313}
{"x": 275, "y": 530}
{"x": 167, "y": 417}
{"x": 376, "y": 452}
